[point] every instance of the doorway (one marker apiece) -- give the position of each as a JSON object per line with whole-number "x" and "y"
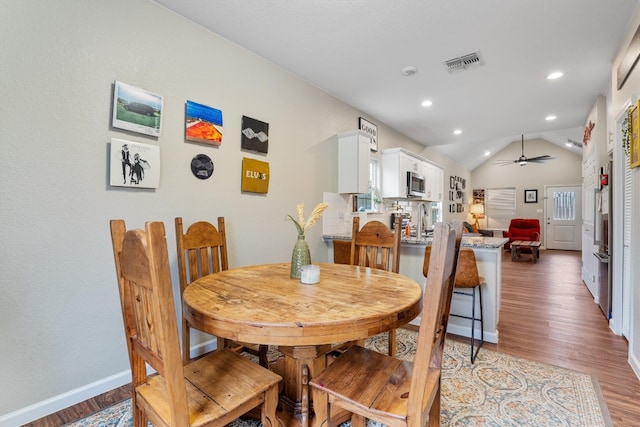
{"x": 563, "y": 214}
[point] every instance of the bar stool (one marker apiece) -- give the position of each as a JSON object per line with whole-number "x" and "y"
{"x": 467, "y": 278}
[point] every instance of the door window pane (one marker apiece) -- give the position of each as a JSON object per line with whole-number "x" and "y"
{"x": 564, "y": 206}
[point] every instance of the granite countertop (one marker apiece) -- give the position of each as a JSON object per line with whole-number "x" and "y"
{"x": 467, "y": 241}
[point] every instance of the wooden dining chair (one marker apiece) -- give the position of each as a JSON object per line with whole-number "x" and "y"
{"x": 458, "y": 228}
{"x": 202, "y": 250}
{"x": 466, "y": 278}
{"x": 376, "y": 246}
{"x": 210, "y": 391}
{"x": 394, "y": 392}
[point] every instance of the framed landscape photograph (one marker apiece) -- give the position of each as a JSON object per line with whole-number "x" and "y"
{"x": 136, "y": 109}
{"x": 531, "y": 196}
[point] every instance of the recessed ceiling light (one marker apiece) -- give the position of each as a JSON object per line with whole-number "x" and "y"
{"x": 409, "y": 71}
{"x": 486, "y": 153}
{"x": 568, "y": 144}
{"x": 555, "y": 75}
{"x": 457, "y": 132}
{"x": 427, "y": 103}
{"x": 549, "y": 118}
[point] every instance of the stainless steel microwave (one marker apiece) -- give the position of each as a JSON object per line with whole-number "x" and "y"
{"x": 415, "y": 185}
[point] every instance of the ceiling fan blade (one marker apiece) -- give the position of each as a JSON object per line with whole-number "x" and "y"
{"x": 540, "y": 158}
{"x": 505, "y": 162}
{"x": 523, "y": 160}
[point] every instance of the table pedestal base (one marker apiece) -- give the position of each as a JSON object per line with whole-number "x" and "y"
{"x": 300, "y": 364}
{"x": 295, "y": 398}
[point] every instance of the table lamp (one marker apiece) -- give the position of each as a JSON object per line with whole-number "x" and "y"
{"x": 476, "y": 209}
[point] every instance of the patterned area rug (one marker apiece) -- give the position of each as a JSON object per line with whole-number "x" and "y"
{"x": 497, "y": 391}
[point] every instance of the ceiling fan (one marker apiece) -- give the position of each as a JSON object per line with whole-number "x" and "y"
{"x": 523, "y": 160}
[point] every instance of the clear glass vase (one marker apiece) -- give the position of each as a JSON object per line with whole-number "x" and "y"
{"x": 300, "y": 256}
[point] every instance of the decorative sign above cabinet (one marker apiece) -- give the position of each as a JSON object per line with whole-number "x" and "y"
{"x": 371, "y": 130}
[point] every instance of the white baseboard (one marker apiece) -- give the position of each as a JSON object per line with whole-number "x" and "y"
{"x": 465, "y": 331}
{"x": 64, "y": 400}
{"x": 56, "y": 403}
{"x": 203, "y": 348}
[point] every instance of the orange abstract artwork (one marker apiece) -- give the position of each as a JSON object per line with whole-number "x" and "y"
{"x": 203, "y": 124}
{"x": 202, "y": 131}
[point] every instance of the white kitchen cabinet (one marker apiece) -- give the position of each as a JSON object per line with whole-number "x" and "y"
{"x": 412, "y": 164}
{"x": 353, "y": 162}
{"x": 434, "y": 185}
{"x": 396, "y": 162}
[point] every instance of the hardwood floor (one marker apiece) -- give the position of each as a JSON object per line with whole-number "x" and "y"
{"x": 547, "y": 315}
{"x": 83, "y": 409}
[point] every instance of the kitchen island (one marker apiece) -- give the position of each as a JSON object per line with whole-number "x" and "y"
{"x": 488, "y": 252}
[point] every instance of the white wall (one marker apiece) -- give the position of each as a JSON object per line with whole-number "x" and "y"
{"x": 61, "y": 327}
{"x": 564, "y": 169}
{"x": 451, "y": 168}
{"x": 618, "y": 97}
{"x": 59, "y": 310}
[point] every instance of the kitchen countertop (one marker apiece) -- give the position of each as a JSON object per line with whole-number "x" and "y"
{"x": 467, "y": 241}
{"x": 488, "y": 252}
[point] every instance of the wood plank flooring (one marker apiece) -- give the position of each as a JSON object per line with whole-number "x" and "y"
{"x": 547, "y": 315}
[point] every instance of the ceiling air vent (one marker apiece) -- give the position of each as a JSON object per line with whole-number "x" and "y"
{"x": 463, "y": 62}
{"x": 574, "y": 143}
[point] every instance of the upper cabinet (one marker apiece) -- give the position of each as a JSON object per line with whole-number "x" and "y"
{"x": 396, "y": 162}
{"x": 353, "y": 162}
{"x": 435, "y": 183}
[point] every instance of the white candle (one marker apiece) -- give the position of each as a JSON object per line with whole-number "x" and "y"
{"x": 310, "y": 274}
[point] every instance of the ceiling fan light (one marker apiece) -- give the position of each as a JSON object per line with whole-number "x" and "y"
{"x": 409, "y": 71}
{"x": 523, "y": 163}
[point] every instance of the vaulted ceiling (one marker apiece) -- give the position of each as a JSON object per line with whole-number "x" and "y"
{"x": 361, "y": 51}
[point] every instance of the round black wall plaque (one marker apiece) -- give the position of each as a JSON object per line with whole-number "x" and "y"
{"x": 202, "y": 166}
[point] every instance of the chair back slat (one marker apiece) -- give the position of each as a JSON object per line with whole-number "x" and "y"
{"x": 432, "y": 332}
{"x": 204, "y": 247}
{"x": 375, "y": 245}
{"x": 457, "y": 227}
{"x": 202, "y": 250}
{"x": 146, "y": 296}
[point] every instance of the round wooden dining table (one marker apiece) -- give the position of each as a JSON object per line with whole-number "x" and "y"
{"x": 262, "y": 304}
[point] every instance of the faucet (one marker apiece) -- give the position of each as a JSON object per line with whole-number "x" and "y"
{"x": 422, "y": 215}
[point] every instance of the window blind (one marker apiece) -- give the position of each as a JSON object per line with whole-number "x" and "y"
{"x": 500, "y": 207}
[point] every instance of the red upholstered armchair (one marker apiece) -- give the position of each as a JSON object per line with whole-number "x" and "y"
{"x": 522, "y": 229}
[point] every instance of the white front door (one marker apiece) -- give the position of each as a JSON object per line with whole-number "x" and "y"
{"x": 563, "y": 225}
